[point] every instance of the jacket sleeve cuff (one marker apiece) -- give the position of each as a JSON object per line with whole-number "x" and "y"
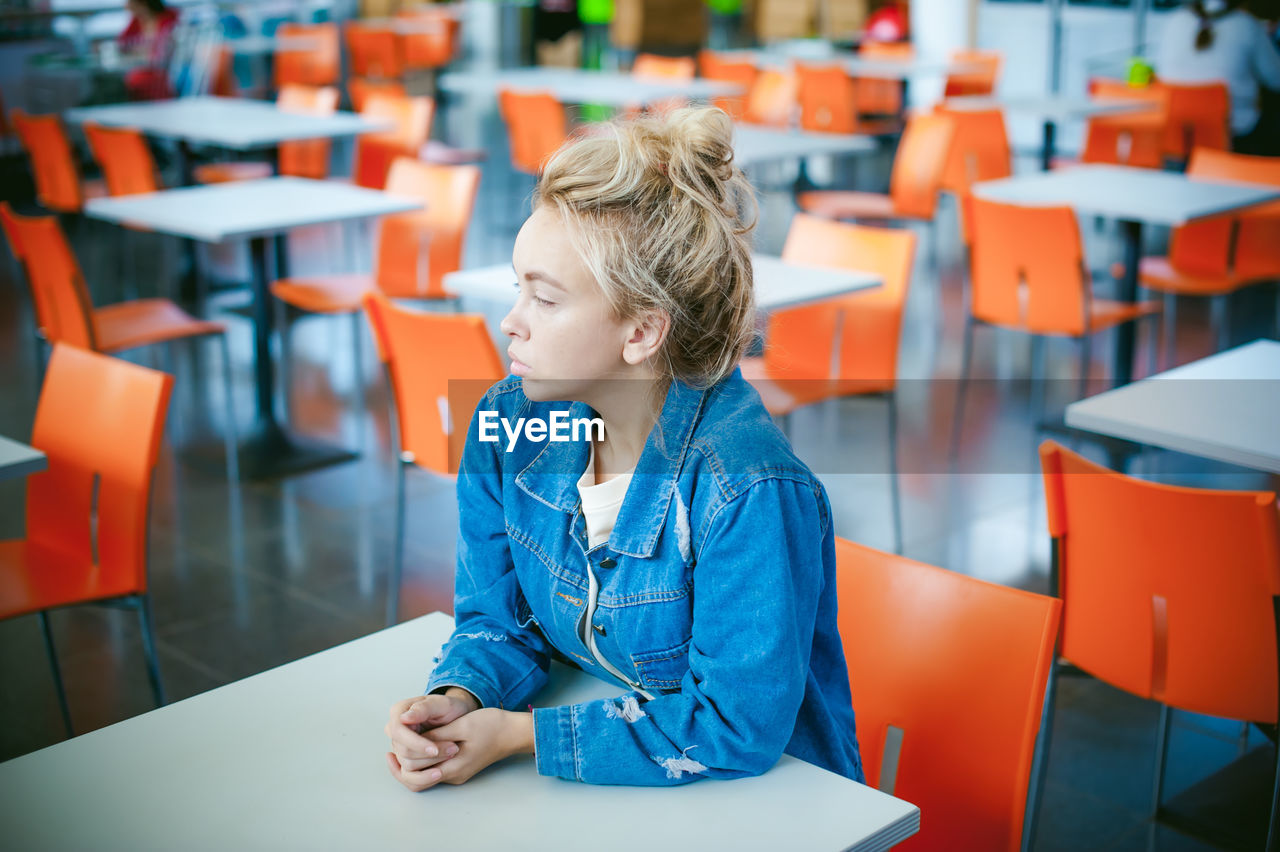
{"x": 485, "y": 692}
{"x": 555, "y": 744}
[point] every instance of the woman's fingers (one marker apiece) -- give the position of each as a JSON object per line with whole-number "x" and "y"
{"x": 409, "y": 742}
{"x": 417, "y": 781}
{"x": 415, "y": 762}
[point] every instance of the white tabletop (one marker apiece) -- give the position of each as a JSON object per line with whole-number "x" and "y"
{"x": 250, "y": 208}
{"x": 1224, "y": 407}
{"x": 1123, "y": 192}
{"x": 237, "y": 123}
{"x": 294, "y": 758}
{"x": 18, "y": 459}
{"x": 572, "y": 85}
{"x": 778, "y": 284}
{"x": 1049, "y": 107}
{"x": 857, "y": 66}
{"x": 754, "y": 144}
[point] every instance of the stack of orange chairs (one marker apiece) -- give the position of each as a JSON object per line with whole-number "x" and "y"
{"x": 58, "y": 184}
{"x": 433, "y": 41}
{"x": 303, "y": 158}
{"x": 981, "y": 81}
{"x": 714, "y": 66}
{"x": 876, "y": 95}
{"x": 828, "y": 99}
{"x": 315, "y": 65}
{"x": 1127, "y": 139}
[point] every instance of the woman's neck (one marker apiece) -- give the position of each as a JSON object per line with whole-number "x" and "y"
{"x": 628, "y": 412}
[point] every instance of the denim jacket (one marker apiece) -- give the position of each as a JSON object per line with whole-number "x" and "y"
{"x": 717, "y": 596}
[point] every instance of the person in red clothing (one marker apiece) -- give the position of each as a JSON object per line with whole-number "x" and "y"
{"x": 149, "y": 36}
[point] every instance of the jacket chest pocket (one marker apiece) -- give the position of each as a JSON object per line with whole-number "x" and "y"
{"x": 663, "y": 669}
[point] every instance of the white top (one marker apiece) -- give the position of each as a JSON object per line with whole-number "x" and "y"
{"x": 18, "y": 459}
{"x": 755, "y": 144}
{"x": 601, "y": 503}
{"x": 1048, "y": 107}
{"x": 237, "y": 123}
{"x": 1131, "y": 194}
{"x": 1224, "y": 407}
{"x": 1241, "y": 56}
{"x": 573, "y": 85}
{"x": 779, "y": 284}
{"x": 250, "y": 208}
{"x": 293, "y": 758}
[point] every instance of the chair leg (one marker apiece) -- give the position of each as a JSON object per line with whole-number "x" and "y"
{"x": 149, "y": 648}
{"x": 57, "y": 674}
{"x": 1218, "y": 320}
{"x": 1162, "y": 754}
{"x": 1273, "y": 827}
{"x": 1039, "y": 375}
{"x": 1040, "y": 759}
{"x": 284, "y": 328}
{"x": 1082, "y": 390}
{"x": 966, "y": 355}
{"x": 357, "y": 378}
{"x": 397, "y": 565}
{"x": 894, "y": 487}
{"x": 1170, "y": 323}
{"x": 229, "y": 430}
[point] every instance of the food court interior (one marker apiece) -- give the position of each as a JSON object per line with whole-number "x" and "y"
{"x": 955, "y": 121}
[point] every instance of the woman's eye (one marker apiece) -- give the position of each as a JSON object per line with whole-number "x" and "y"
{"x": 543, "y": 302}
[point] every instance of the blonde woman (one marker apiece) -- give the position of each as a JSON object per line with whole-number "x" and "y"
{"x": 681, "y": 550}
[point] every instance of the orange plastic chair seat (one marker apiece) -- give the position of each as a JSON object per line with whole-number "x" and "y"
{"x": 146, "y": 321}
{"x": 1157, "y": 273}
{"x": 231, "y": 172}
{"x": 36, "y": 577}
{"x": 841, "y": 204}
{"x": 325, "y": 294}
{"x": 1105, "y": 313}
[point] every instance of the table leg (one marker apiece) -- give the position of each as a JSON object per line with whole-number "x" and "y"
{"x": 1047, "y": 148}
{"x": 189, "y": 284}
{"x": 1123, "y": 366}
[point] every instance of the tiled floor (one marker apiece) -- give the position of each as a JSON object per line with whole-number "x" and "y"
{"x": 254, "y": 576}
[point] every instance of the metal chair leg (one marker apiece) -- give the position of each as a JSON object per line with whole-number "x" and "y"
{"x": 397, "y": 565}
{"x": 1218, "y": 319}
{"x": 894, "y": 488}
{"x": 1082, "y": 390}
{"x": 1170, "y": 329}
{"x": 1162, "y": 753}
{"x": 357, "y": 378}
{"x": 229, "y": 430}
{"x": 966, "y": 355}
{"x": 57, "y": 673}
{"x": 149, "y": 648}
{"x": 1040, "y": 758}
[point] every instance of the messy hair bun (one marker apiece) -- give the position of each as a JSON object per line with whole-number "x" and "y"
{"x": 663, "y": 218}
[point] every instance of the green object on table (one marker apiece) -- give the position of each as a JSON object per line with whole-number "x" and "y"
{"x": 1140, "y": 72}
{"x": 595, "y": 11}
{"x": 725, "y": 7}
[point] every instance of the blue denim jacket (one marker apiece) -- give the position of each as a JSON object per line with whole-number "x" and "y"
{"x": 717, "y": 596}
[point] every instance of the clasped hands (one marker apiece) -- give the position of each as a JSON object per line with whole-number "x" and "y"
{"x": 447, "y": 738}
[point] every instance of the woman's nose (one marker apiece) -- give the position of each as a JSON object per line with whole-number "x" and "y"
{"x": 511, "y": 325}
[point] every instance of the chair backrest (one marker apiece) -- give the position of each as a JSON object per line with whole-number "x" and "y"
{"x": 918, "y": 165}
{"x": 1168, "y": 592}
{"x": 1209, "y": 246}
{"x": 865, "y": 326}
{"x": 653, "y": 67}
{"x": 416, "y": 250}
{"x": 307, "y": 157}
{"x": 375, "y": 152}
{"x": 979, "y": 81}
{"x": 52, "y": 164}
{"x": 714, "y": 66}
{"x": 828, "y": 98}
{"x": 1198, "y": 118}
{"x": 878, "y": 96}
{"x": 1129, "y": 139}
{"x": 316, "y": 65}
{"x": 64, "y": 310}
{"x": 772, "y": 99}
{"x": 359, "y": 89}
{"x": 100, "y": 421}
{"x": 440, "y": 366}
{"x": 979, "y": 148}
{"x": 373, "y": 51}
{"x": 1027, "y": 268}
{"x": 536, "y": 127}
{"x": 948, "y": 676}
{"x": 125, "y": 160}
{"x": 886, "y": 50}
{"x": 434, "y": 39}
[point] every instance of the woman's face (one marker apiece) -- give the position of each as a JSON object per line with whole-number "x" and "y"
{"x": 565, "y": 342}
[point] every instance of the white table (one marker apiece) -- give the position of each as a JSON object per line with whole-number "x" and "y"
{"x": 1225, "y": 407}
{"x": 1134, "y": 197}
{"x": 572, "y": 85}
{"x": 255, "y": 210}
{"x": 753, "y": 144}
{"x": 293, "y": 758}
{"x": 779, "y": 284}
{"x": 1051, "y": 110}
{"x": 18, "y": 460}
{"x": 857, "y": 66}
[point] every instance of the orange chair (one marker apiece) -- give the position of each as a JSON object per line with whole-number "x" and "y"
{"x": 828, "y": 99}
{"x": 66, "y": 314}
{"x": 949, "y": 675}
{"x": 373, "y": 51}
{"x": 772, "y": 99}
{"x": 100, "y": 422}
{"x": 375, "y": 152}
{"x": 125, "y": 160}
{"x": 714, "y": 66}
{"x": 316, "y": 65}
{"x": 1198, "y": 118}
{"x": 1214, "y": 258}
{"x": 439, "y": 367}
{"x": 1129, "y": 139}
{"x": 1028, "y": 273}
{"x": 980, "y": 81}
{"x": 844, "y": 346}
{"x": 1141, "y": 609}
{"x": 433, "y": 41}
{"x": 536, "y": 127}
{"x": 414, "y": 250}
{"x": 650, "y": 66}
{"x": 359, "y": 89}
{"x": 53, "y": 166}
{"x": 307, "y": 158}
{"x": 877, "y": 95}
{"x": 979, "y": 151}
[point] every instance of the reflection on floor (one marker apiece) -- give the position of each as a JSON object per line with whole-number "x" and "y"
{"x": 306, "y": 569}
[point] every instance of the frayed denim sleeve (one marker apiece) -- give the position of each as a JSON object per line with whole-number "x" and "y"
{"x": 755, "y": 603}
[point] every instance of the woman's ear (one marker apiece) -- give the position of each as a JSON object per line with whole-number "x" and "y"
{"x": 645, "y": 336}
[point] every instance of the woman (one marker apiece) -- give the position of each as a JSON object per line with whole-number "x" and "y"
{"x": 685, "y": 551}
{"x": 1219, "y": 41}
{"x": 149, "y": 36}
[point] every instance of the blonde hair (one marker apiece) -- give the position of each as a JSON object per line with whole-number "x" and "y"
{"x": 663, "y": 218}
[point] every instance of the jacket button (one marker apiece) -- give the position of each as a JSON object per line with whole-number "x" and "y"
{"x": 599, "y": 628}
{"x": 607, "y": 562}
